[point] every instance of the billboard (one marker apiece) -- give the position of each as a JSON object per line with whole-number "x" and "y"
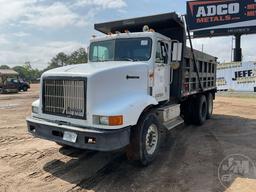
{"x": 237, "y": 76}
{"x": 221, "y": 17}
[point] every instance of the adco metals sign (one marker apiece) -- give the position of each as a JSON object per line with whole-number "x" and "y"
{"x": 221, "y": 17}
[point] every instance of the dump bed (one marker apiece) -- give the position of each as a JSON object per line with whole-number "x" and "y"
{"x": 185, "y": 78}
{"x": 206, "y": 66}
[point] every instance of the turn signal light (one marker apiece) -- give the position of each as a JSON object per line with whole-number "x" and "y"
{"x": 115, "y": 120}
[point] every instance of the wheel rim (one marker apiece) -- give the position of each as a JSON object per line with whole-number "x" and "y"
{"x": 151, "y": 139}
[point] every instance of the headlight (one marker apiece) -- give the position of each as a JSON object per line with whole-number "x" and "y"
{"x": 110, "y": 120}
{"x": 103, "y": 120}
{"x": 35, "y": 109}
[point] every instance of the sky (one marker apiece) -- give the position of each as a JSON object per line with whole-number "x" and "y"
{"x": 36, "y": 30}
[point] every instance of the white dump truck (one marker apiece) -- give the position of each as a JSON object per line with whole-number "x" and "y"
{"x": 140, "y": 81}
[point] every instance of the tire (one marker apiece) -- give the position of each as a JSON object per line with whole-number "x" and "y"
{"x": 3, "y": 91}
{"x": 209, "y": 106}
{"x": 200, "y": 110}
{"x": 145, "y": 139}
{"x": 25, "y": 88}
{"x": 187, "y": 111}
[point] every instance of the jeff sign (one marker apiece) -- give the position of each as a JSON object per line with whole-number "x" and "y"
{"x": 221, "y": 17}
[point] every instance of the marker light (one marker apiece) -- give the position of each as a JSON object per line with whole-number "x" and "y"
{"x": 145, "y": 28}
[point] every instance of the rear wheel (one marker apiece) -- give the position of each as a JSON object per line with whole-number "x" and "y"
{"x": 145, "y": 139}
{"x": 209, "y": 105}
{"x": 200, "y": 110}
{"x": 187, "y": 111}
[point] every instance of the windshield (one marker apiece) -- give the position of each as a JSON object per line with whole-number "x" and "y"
{"x": 132, "y": 49}
{"x": 11, "y": 80}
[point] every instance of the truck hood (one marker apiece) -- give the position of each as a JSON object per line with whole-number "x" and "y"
{"x": 90, "y": 68}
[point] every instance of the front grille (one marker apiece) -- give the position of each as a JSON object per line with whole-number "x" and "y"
{"x": 65, "y": 97}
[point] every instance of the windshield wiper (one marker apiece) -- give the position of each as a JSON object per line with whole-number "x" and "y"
{"x": 120, "y": 59}
{"x": 126, "y": 59}
{"x": 102, "y": 60}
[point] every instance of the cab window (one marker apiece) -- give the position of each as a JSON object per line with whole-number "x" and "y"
{"x": 162, "y": 52}
{"x": 102, "y": 51}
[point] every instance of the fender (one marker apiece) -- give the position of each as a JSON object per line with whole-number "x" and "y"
{"x": 130, "y": 106}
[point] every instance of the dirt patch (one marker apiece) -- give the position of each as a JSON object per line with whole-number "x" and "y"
{"x": 188, "y": 161}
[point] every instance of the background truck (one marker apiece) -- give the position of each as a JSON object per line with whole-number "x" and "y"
{"x": 23, "y": 85}
{"x": 8, "y": 78}
{"x": 141, "y": 80}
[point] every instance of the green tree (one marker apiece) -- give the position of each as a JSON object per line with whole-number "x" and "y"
{"x": 4, "y": 67}
{"x": 23, "y": 73}
{"x": 77, "y": 57}
{"x": 27, "y": 72}
{"x": 61, "y": 59}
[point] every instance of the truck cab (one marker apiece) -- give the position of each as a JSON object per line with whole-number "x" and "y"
{"x": 150, "y": 49}
{"x": 129, "y": 93}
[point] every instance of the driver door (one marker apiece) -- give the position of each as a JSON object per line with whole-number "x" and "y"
{"x": 161, "y": 88}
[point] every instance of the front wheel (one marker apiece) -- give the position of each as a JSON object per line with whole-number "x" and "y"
{"x": 25, "y": 88}
{"x": 145, "y": 139}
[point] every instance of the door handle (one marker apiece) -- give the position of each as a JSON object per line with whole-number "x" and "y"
{"x": 160, "y": 65}
{"x": 132, "y": 77}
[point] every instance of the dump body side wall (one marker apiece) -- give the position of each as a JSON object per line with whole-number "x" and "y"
{"x": 185, "y": 79}
{"x": 206, "y": 66}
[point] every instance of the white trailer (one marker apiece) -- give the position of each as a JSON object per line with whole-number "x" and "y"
{"x": 140, "y": 81}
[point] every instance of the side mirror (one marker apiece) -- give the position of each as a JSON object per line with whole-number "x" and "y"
{"x": 176, "y": 52}
{"x": 176, "y": 55}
